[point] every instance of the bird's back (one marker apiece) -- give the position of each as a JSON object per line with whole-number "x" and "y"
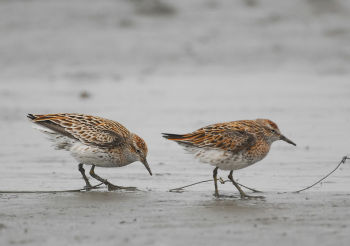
{"x": 89, "y": 130}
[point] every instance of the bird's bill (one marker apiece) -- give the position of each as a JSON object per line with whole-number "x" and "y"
{"x": 147, "y": 166}
{"x": 287, "y": 140}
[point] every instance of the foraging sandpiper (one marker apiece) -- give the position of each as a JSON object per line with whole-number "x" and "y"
{"x": 93, "y": 141}
{"x": 231, "y": 145}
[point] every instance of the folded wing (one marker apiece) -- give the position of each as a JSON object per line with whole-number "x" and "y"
{"x": 88, "y": 129}
{"x": 220, "y": 136}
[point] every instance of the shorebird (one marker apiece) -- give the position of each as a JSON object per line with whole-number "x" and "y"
{"x": 231, "y": 145}
{"x": 93, "y": 141}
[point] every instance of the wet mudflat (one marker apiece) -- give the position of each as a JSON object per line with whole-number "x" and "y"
{"x": 159, "y": 218}
{"x": 154, "y": 216}
{"x": 263, "y": 60}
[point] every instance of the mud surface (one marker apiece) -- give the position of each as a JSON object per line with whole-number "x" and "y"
{"x": 192, "y": 65}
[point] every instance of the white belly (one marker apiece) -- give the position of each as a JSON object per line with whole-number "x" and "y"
{"x": 224, "y": 160}
{"x": 93, "y": 156}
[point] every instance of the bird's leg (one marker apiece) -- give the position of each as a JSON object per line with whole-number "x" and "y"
{"x": 109, "y": 185}
{"x": 215, "y": 172}
{"x": 241, "y": 192}
{"x": 82, "y": 171}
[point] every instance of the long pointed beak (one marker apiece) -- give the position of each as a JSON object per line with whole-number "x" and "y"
{"x": 147, "y": 166}
{"x": 287, "y": 140}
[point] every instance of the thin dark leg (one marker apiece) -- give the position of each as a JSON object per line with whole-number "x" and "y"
{"x": 109, "y": 185}
{"x": 215, "y": 173}
{"x": 82, "y": 171}
{"x": 241, "y": 192}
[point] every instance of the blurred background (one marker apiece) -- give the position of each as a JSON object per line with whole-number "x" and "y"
{"x": 175, "y": 66}
{"x": 86, "y": 40}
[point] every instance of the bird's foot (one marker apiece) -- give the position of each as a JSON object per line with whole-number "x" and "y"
{"x": 245, "y": 196}
{"x": 112, "y": 187}
{"x": 88, "y": 187}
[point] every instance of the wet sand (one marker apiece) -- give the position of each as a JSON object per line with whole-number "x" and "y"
{"x": 176, "y": 83}
{"x": 160, "y": 218}
{"x": 154, "y": 216}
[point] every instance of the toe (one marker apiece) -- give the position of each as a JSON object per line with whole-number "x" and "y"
{"x": 113, "y": 187}
{"x": 252, "y": 197}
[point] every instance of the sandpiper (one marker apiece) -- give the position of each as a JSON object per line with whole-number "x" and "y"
{"x": 231, "y": 145}
{"x": 93, "y": 141}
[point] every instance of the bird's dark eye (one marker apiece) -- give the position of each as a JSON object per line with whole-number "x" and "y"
{"x": 272, "y": 130}
{"x": 138, "y": 151}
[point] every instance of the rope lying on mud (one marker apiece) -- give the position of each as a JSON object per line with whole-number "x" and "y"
{"x": 343, "y": 160}
{"x": 52, "y": 191}
{"x": 180, "y": 189}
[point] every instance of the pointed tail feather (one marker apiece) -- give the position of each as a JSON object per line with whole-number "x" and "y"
{"x": 175, "y": 137}
{"x": 31, "y": 116}
{"x": 182, "y": 139}
{"x": 46, "y": 125}
{"x": 56, "y": 133}
{"x": 44, "y": 117}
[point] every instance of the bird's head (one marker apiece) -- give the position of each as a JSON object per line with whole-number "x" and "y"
{"x": 140, "y": 149}
{"x": 272, "y": 131}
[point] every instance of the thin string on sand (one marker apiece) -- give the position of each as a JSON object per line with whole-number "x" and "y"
{"x": 180, "y": 189}
{"x": 51, "y": 191}
{"x": 343, "y": 160}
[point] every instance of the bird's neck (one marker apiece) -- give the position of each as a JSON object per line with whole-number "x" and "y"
{"x": 129, "y": 156}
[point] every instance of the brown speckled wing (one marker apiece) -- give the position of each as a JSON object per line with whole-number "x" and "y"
{"x": 88, "y": 129}
{"x": 226, "y": 136}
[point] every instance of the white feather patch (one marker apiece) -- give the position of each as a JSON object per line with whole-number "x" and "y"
{"x": 224, "y": 160}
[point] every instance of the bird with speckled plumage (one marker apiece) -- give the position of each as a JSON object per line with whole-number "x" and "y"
{"x": 93, "y": 141}
{"x": 231, "y": 145}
